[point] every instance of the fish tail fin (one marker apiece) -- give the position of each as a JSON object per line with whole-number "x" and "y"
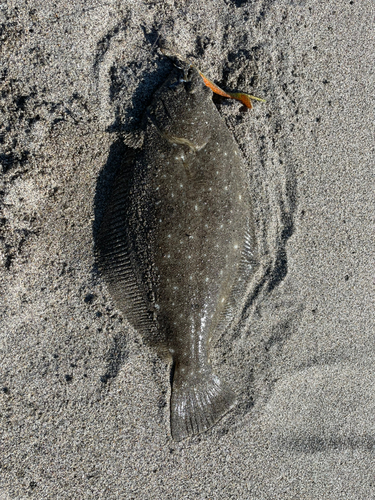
{"x": 197, "y": 403}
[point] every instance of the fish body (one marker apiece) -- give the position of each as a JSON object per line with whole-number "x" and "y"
{"x": 177, "y": 244}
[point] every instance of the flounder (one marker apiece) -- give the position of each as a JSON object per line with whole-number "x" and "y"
{"x": 177, "y": 246}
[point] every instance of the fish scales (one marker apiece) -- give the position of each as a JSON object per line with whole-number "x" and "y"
{"x": 177, "y": 244}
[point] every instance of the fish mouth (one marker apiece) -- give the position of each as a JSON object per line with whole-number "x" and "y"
{"x": 174, "y": 139}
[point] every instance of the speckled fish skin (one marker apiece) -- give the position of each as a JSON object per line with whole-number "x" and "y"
{"x": 177, "y": 244}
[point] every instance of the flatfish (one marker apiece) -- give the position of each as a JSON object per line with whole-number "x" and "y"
{"x": 177, "y": 246}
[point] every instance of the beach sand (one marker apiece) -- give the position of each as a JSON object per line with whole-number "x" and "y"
{"x": 84, "y": 401}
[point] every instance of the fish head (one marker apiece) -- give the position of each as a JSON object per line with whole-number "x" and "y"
{"x": 180, "y": 112}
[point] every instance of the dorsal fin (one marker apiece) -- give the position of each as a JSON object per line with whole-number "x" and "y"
{"x": 115, "y": 253}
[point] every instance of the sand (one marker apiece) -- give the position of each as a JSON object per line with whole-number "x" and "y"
{"x": 84, "y": 402}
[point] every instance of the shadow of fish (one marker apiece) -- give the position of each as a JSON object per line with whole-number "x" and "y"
{"x": 176, "y": 244}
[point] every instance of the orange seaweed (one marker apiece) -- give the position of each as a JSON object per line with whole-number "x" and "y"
{"x": 239, "y": 96}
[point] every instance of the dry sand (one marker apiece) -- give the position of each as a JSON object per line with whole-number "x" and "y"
{"x": 84, "y": 403}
